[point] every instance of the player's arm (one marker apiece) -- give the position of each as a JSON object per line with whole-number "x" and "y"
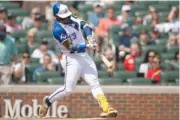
{"x": 89, "y": 34}
{"x": 86, "y": 29}
{"x": 62, "y": 37}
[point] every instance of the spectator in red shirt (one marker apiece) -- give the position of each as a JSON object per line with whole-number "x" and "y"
{"x": 154, "y": 72}
{"x": 107, "y": 22}
{"x": 128, "y": 61}
{"x": 103, "y": 27}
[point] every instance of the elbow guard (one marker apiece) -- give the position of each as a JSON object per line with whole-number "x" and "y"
{"x": 87, "y": 30}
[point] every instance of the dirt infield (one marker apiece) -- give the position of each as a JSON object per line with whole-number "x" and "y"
{"x": 53, "y": 119}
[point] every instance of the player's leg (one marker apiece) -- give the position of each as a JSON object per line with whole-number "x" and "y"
{"x": 72, "y": 73}
{"x": 89, "y": 74}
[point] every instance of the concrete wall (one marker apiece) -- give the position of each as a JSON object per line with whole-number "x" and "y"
{"x": 132, "y": 102}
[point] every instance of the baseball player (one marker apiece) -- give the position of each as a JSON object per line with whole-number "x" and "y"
{"x": 68, "y": 31}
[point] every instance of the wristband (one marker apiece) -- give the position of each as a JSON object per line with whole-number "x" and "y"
{"x": 79, "y": 48}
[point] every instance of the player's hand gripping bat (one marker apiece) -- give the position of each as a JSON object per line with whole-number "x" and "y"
{"x": 94, "y": 46}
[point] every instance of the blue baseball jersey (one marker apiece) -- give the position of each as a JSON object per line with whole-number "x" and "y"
{"x": 72, "y": 30}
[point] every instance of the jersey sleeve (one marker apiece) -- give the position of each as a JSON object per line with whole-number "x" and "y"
{"x": 86, "y": 28}
{"x": 60, "y": 34}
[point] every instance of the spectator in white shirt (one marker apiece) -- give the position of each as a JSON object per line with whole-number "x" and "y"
{"x": 19, "y": 68}
{"x": 29, "y": 21}
{"x": 42, "y": 50}
{"x": 125, "y": 13}
{"x": 147, "y": 63}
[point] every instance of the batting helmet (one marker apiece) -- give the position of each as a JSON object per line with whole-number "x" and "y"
{"x": 61, "y": 10}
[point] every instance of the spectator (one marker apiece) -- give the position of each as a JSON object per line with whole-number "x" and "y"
{"x": 19, "y": 71}
{"x": 104, "y": 24}
{"x": 10, "y": 24}
{"x": 154, "y": 36}
{"x": 155, "y": 20}
{"x": 172, "y": 41}
{"x": 37, "y": 23}
{"x": 173, "y": 15}
{"x": 49, "y": 13}
{"x": 47, "y": 65}
{"x": 103, "y": 27}
{"x": 143, "y": 39}
{"x": 29, "y": 21}
{"x": 147, "y": 63}
{"x": 8, "y": 52}
{"x": 135, "y": 50}
{"x": 128, "y": 61}
{"x": 42, "y": 50}
{"x": 3, "y": 15}
{"x": 147, "y": 19}
{"x": 154, "y": 73}
{"x": 177, "y": 35}
{"x": 125, "y": 39}
{"x": 126, "y": 9}
{"x": 30, "y": 44}
{"x": 174, "y": 64}
{"x": 138, "y": 22}
{"x": 111, "y": 57}
{"x": 96, "y": 15}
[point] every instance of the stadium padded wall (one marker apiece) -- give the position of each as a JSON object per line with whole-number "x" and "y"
{"x": 132, "y": 102}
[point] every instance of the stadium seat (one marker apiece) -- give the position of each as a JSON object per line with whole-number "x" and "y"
{"x": 124, "y": 75}
{"x": 43, "y": 76}
{"x": 111, "y": 81}
{"x": 142, "y": 27}
{"x": 146, "y": 3}
{"x": 56, "y": 80}
{"x": 139, "y": 81}
{"x": 157, "y": 48}
{"x": 44, "y": 34}
{"x": 130, "y": 20}
{"x": 169, "y": 76}
{"x": 120, "y": 66}
{"x": 163, "y": 13}
{"x": 173, "y": 49}
{"x": 138, "y": 61}
{"x": 173, "y": 3}
{"x": 19, "y": 34}
{"x": 141, "y": 13}
{"x": 19, "y": 12}
{"x": 29, "y": 71}
{"x": 33, "y": 48}
{"x": 159, "y": 7}
{"x": 165, "y": 66}
{"x": 19, "y": 19}
{"x": 34, "y": 60}
{"x": 118, "y": 5}
{"x": 114, "y": 32}
{"x": 161, "y": 42}
{"x": 137, "y": 7}
{"x": 20, "y": 48}
{"x": 102, "y": 74}
{"x": 83, "y": 10}
{"x": 9, "y": 5}
{"x": 167, "y": 56}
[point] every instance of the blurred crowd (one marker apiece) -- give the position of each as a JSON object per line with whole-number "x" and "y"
{"x": 123, "y": 53}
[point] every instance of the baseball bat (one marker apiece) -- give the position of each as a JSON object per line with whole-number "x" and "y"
{"x": 105, "y": 60}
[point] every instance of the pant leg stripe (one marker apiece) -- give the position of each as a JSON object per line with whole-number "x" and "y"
{"x": 64, "y": 82}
